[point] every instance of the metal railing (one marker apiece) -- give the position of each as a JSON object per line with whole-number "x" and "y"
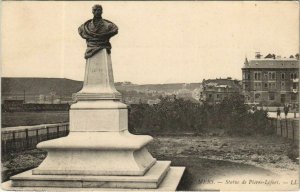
{"x": 288, "y": 128}
{"x": 14, "y": 139}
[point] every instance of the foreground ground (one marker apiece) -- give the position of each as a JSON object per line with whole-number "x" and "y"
{"x": 211, "y": 162}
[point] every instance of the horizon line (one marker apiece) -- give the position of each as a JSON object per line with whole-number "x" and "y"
{"x": 124, "y": 81}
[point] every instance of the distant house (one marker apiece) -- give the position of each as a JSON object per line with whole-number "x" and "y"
{"x": 196, "y": 94}
{"x": 271, "y": 80}
{"x": 153, "y": 101}
{"x": 215, "y": 90}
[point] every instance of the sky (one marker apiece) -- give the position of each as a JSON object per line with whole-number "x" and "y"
{"x": 158, "y": 42}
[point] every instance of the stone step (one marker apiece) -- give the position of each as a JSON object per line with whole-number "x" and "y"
{"x": 150, "y": 180}
{"x": 169, "y": 183}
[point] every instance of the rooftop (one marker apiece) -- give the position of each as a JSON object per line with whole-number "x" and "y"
{"x": 272, "y": 63}
{"x": 222, "y": 83}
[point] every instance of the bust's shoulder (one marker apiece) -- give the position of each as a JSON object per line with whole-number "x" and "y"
{"x": 88, "y": 21}
{"x": 108, "y": 22}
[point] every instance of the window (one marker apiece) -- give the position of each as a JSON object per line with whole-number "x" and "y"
{"x": 248, "y": 76}
{"x": 272, "y": 75}
{"x": 282, "y": 98}
{"x": 257, "y": 96}
{"x": 282, "y": 76}
{"x": 282, "y": 85}
{"x": 294, "y": 85}
{"x": 293, "y": 75}
{"x": 271, "y": 96}
{"x": 265, "y": 76}
{"x": 257, "y": 86}
{"x": 272, "y": 85}
{"x": 257, "y": 75}
{"x": 266, "y": 85}
{"x": 294, "y": 97}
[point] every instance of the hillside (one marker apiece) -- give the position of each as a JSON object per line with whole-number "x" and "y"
{"x": 39, "y": 86}
{"x": 160, "y": 87}
{"x": 66, "y": 87}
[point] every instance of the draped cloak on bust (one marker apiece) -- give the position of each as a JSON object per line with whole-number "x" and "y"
{"x": 97, "y": 34}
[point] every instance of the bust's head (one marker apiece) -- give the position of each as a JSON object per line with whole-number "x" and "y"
{"x": 97, "y": 10}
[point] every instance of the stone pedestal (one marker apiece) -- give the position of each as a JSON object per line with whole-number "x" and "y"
{"x": 99, "y": 152}
{"x": 98, "y": 79}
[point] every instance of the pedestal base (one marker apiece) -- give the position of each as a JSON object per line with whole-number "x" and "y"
{"x": 169, "y": 183}
{"x": 96, "y": 153}
{"x": 151, "y": 179}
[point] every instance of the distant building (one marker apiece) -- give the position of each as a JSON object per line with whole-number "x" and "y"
{"x": 153, "y": 101}
{"x": 41, "y": 99}
{"x": 184, "y": 93}
{"x": 215, "y": 90}
{"x": 271, "y": 80}
{"x": 196, "y": 94}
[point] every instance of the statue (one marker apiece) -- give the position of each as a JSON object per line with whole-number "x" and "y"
{"x": 99, "y": 151}
{"x": 97, "y": 32}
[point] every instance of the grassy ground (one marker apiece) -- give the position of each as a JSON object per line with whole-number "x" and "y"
{"x": 220, "y": 158}
{"x": 11, "y": 119}
{"x": 205, "y": 158}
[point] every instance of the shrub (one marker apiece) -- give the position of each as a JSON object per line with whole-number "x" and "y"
{"x": 174, "y": 115}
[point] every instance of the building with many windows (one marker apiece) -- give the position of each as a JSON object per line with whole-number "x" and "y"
{"x": 271, "y": 80}
{"x": 215, "y": 90}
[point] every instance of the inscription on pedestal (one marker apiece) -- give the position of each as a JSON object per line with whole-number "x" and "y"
{"x": 95, "y": 70}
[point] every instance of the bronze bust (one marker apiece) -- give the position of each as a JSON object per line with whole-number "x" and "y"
{"x": 97, "y": 32}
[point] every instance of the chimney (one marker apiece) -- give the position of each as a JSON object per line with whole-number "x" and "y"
{"x": 246, "y": 63}
{"x": 257, "y": 55}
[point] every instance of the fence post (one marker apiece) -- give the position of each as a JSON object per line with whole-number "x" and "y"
{"x": 280, "y": 128}
{"x": 293, "y": 130}
{"x": 47, "y": 133}
{"x": 26, "y": 136}
{"x": 37, "y": 136}
{"x": 57, "y": 130}
{"x": 287, "y": 128}
{"x": 275, "y": 124}
{"x": 14, "y": 140}
{"x": 3, "y": 147}
{"x": 67, "y": 129}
